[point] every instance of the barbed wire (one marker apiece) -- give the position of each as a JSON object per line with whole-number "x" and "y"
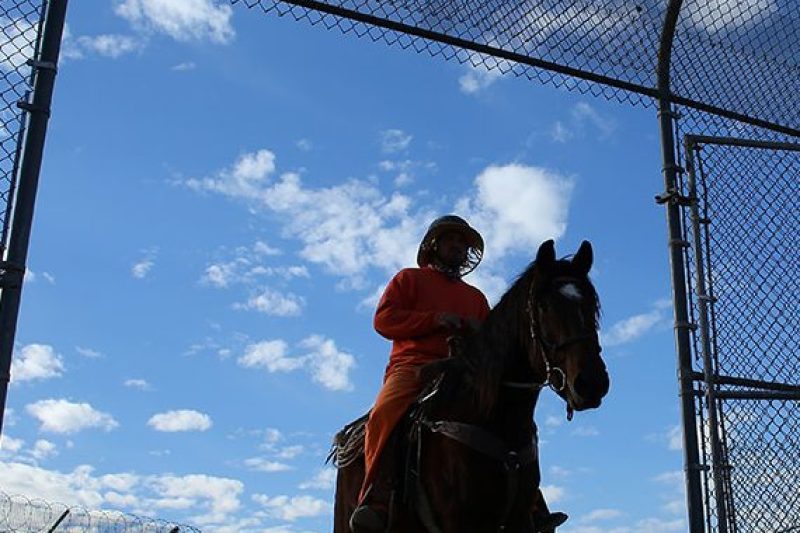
{"x": 23, "y": 514}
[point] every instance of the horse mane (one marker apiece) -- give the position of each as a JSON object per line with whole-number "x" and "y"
{"x": 504, "y": 337}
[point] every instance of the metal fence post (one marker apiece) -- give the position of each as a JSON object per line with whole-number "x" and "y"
{"x": 13, "y": 267}
{"x": 671, "y": 199}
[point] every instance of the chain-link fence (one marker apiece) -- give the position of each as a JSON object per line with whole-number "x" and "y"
{"x": 19, "y": 34}
{"x": 743, "y": 226}
{"x": 22, "y": 514}
{"x": 737, "y": 59}
{"x": 725, "y": 68}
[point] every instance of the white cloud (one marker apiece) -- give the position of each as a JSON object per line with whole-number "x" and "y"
{"x": 394, "y": 140}
{"x": 585, "y": 431}
{"x": 560, "y": 133}
{"x": 244, "y": 179}
{"x": 553, "y": 421}
{"x": 183, "y": 20}
{"x": 36, "y": 361}
{"x": 353, "y": 227}
{"x": 140, "y": 384}
{"x": 631, "y": 328}
{"x": 289, "y": 452}
{"x": 305, "y": 145}
{"x": 553, "y": 493}
{"x": 247, "y": 267}
{"x": 675, "y": 438}
{"x": 271, "y": 355}
{"x": 217, "y": 497}
{"x": 9, "y": 445}
{"x": 63, "y": 416}
{"x": 323, "y": 480}
{"x": 49, "y": 277}
{"x": 292, "y": 508}
{"x": 112, "y": 46}
{"x": 274, "y": 303}
{"x": 326, "y": 364}
{"x": 43, "y": 449}
{"x": 600, "y": 514}
{"x": 183, "y": 67}
{"x": 180, "y": 420}
{"x": 263, "y": 465}
{"x": 584, "y": 113}
{"x": 329, "y": 366}
{"x": 141, "y": 269}
{"x": 88, "y": 352}
{"x": 517, "y": 207}
{"x": 477, "y": 79}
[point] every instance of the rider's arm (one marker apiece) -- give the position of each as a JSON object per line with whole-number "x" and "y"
{"x": 396, "y": 318}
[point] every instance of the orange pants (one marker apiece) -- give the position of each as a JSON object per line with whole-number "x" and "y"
{"x": 400, "y": 388}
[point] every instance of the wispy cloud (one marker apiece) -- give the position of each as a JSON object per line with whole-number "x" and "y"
{"x": 140, "y": 384}
{"x": 88, "y": 352}
{"x": 141, "y": 269}
{"x": 323, "y": 480}
{"x": 180, "y": 420}
{"x": 394, "y": 140}
{"x": 63, "y": 416}
{"x": 183, "y": 67}
{"x": 583, "y": 119}
{"x": 634, "y": 327}
{"x": 260, "y": 464}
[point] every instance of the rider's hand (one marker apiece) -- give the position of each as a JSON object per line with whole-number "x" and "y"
{"x": 448, "y": 320}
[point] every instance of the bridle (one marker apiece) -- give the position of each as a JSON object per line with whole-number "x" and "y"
{"x": 548, "y": 349}
{"x": 482, "y": 441}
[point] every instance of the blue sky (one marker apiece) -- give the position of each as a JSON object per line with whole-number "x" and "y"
{"x": 223, "y": 197}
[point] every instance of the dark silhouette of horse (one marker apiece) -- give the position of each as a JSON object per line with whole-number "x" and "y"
{"x": 471, "y": 454}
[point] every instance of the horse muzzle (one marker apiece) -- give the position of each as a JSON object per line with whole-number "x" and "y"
{"x": 588, "y": 389}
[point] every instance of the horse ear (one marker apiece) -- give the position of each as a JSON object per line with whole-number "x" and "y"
{"x": 546, "y": 255}
{"x": 583, "y": 259}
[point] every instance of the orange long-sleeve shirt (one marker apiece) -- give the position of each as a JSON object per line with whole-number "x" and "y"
{"x": 407, "y": 311}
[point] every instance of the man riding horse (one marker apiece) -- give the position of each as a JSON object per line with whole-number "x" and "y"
{"x": 419, "y": 309}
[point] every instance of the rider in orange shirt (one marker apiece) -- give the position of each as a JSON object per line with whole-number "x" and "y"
{"x": 419, "y": 309}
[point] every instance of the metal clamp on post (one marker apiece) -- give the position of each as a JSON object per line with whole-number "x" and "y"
{"x": 674, "y": 197}
{"x": 11, "y": 275}
{"x": 42, "y": 65}
{"x": 32, "y": 108}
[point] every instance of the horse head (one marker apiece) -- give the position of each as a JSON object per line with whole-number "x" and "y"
{"x": 562, "y": 311}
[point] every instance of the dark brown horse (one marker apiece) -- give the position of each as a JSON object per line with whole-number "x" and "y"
{"x": 473, "y": 454}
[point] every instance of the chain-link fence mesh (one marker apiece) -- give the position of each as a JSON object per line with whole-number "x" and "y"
{"x": 746, "y": 254}
{"x": 22, "y": 514}
{"x": 20, "y": 23}
{"x": 739, "y": 58}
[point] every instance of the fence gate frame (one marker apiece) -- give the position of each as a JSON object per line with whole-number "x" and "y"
{"x": 708, "y": 462}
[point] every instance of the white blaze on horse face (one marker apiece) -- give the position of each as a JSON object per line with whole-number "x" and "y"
{"x": 571, "y": 291}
